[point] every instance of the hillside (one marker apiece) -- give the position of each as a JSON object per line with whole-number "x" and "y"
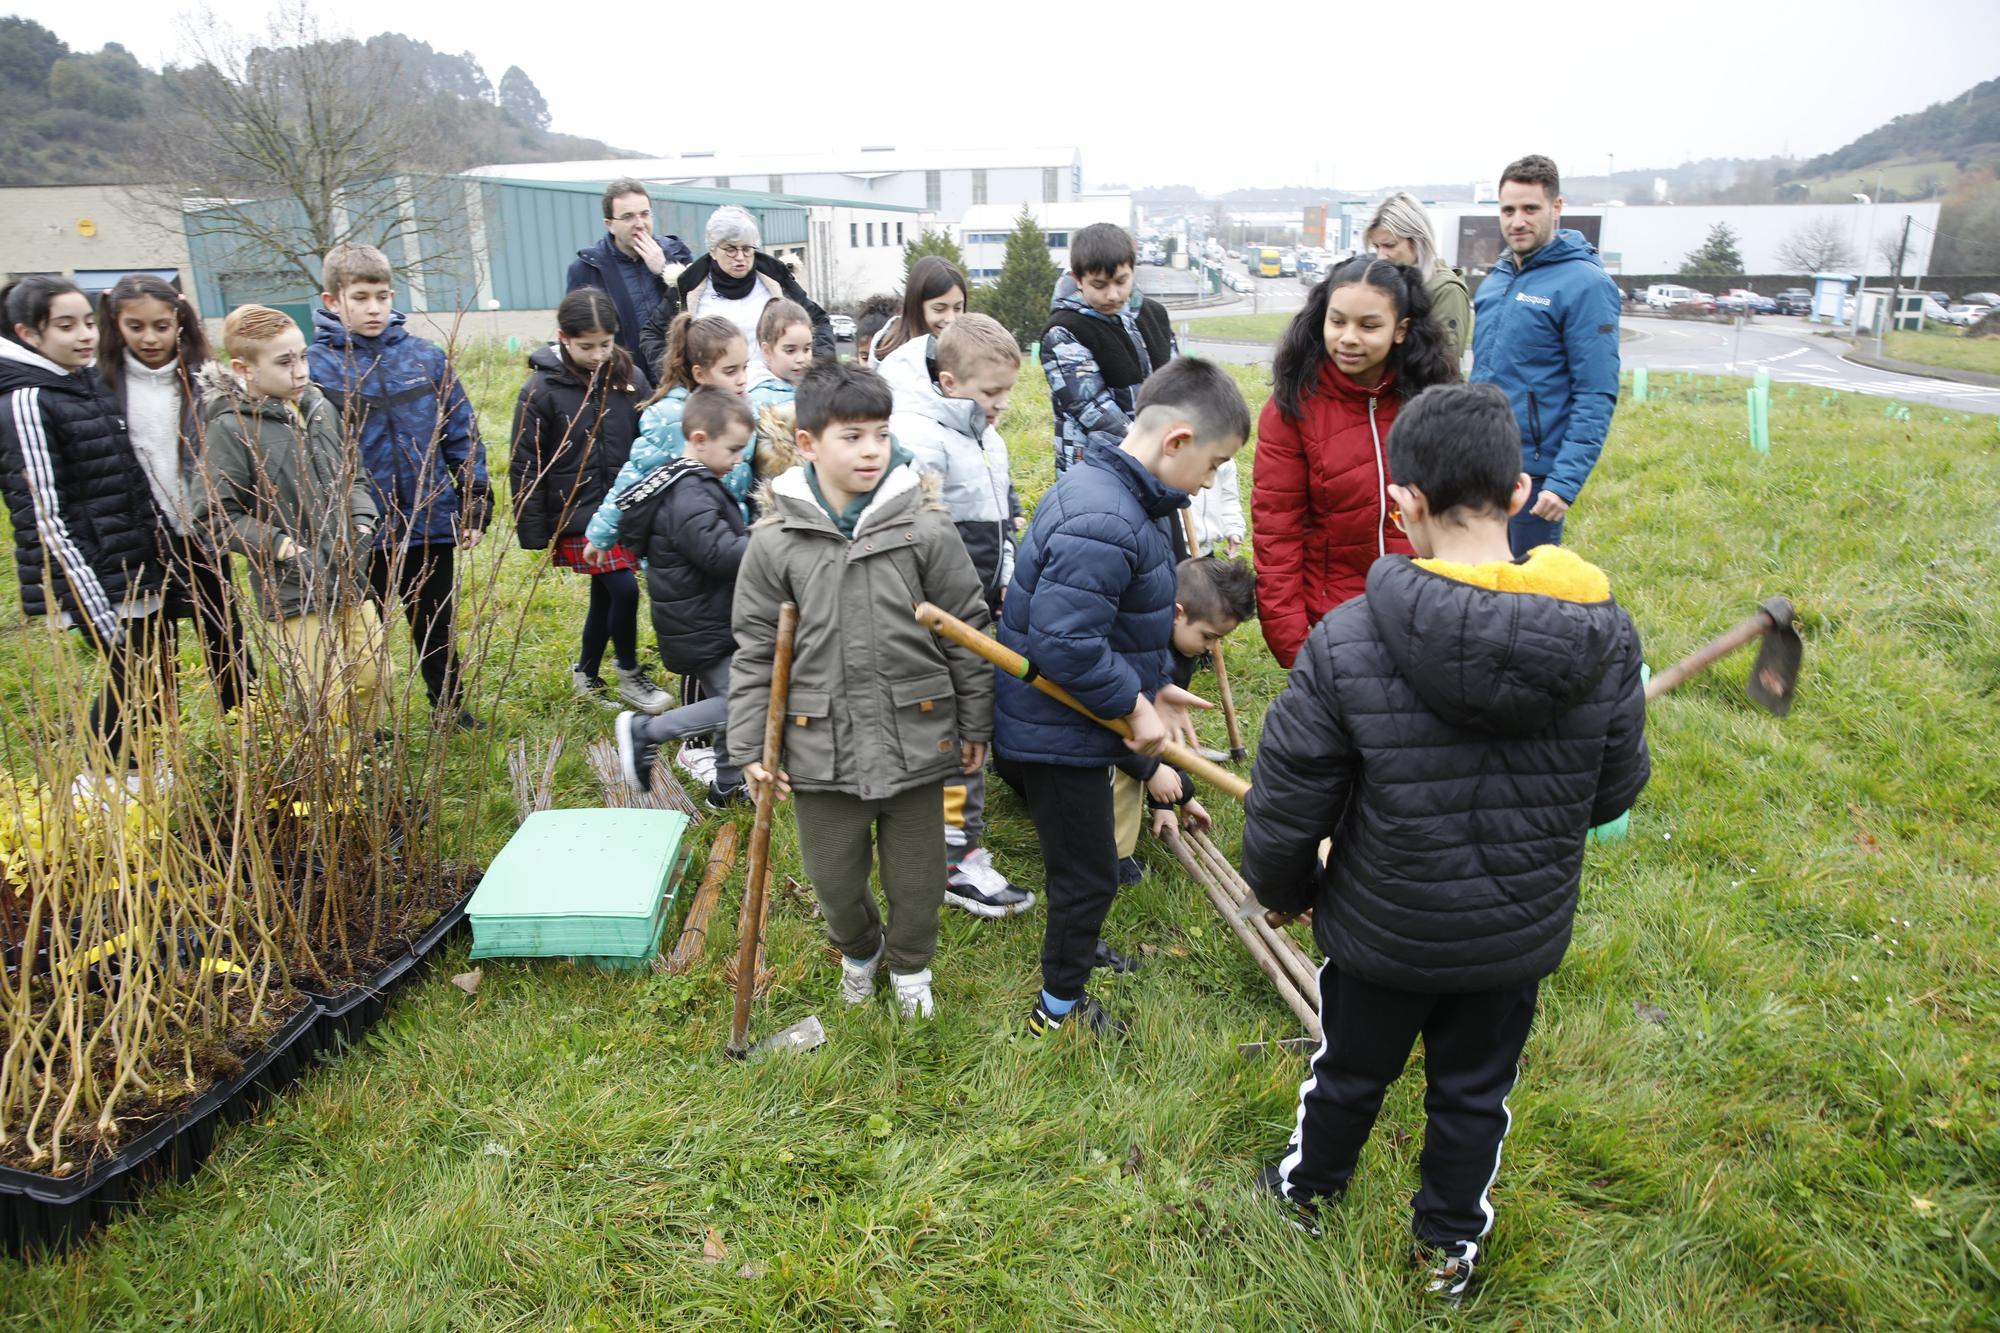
{"x": 1959, "y": 134}
{"x": 74, "y": 116}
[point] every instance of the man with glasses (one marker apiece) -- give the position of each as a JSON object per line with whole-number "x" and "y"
{"x": 630, "y": 263}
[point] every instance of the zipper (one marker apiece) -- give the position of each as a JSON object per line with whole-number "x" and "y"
{"x": 1381, "y": 486}
{"x": 1535, "y": 422}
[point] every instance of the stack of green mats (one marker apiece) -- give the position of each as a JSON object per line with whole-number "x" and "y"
{"x": 594, "y": 885}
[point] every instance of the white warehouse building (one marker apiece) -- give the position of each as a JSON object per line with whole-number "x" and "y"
{"x": 982, "y": 233}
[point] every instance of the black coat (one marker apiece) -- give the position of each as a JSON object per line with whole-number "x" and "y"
{"x": 689, "y": 530}
{"x": 1456, "y": 743}
{"x": 569, "y": 442}
{"x": 85, "y": 525}
{"x": 653, "y": 341}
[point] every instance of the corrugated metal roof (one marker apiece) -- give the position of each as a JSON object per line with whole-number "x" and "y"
{"x": 700, "y": 194}
{"x": 850, "y": 162}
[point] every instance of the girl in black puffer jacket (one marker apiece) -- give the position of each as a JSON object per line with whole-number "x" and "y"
{"x": 86, "y": 531}
{"x": 573, "y": 429}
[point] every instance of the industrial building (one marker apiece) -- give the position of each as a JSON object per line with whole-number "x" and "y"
{"x": 982, "y": 232}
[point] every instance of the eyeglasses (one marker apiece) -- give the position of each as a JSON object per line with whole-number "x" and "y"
{"x": 634, "y": 217}
{"x": 736, "y": 251}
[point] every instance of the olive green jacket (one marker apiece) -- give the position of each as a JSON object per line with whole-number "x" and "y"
{"x": 1451, "y": 305}
{"x": 878, "y": 704}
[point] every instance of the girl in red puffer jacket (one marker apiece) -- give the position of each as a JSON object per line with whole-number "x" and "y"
{"x": 1364, "y": 344}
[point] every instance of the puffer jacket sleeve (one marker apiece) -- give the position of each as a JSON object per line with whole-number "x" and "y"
{"x": 1281, "y": 505}
{"x": 1086, "y": 566}
{"x": 1229, "y": 499}
{"x": 659, "y": 443}
{"x": 703, "y": 533}
{"x": 219, "y": 490}
{"x": 1590, "y": 344}
{"x": 760, "y": 591}
{"x": 1299, "y": 786}
{"x": 1077, "y": 390}
{"x": 33, "y": 500}
{"x": 464, "y": 451}
{"x": 952, "y": 584}
{"x": 526, "y": 462}
{"x": 1627, "y": 763}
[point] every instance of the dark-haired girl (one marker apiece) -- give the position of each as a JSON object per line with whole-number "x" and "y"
{"x": 152, "y": 351}
{"x": 932, "y": 299}
{"x": 1364, "y": 344}
{"x": 86, "y": 530}
{"x": 574, "y": 424}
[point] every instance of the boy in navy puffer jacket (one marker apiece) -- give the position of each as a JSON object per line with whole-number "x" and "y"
{"x": 402, "y": 404}
{"x": 1091, "y": 606}
{"x": 1455, "y": 730}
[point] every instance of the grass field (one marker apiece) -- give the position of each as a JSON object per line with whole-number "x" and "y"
{"x": 1952, "y": 350}
{"x": 1800, "y": 1132}
{"x": 1242, "y": 328}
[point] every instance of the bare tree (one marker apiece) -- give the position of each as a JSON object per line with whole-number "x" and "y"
{"x": 285, "y": 146}
{"x": 1818, "y": 245}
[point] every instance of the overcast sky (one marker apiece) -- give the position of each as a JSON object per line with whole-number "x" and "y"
{"x": 1270, "y": 93}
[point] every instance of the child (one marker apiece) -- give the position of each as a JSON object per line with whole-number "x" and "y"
{"x": 86, "y": 531}
{"x": 881, "y": 713}
{"x": 933, "y": 297}
{"x": 400, "y": 401}
{"x": 278, "y": 485}
{"x": 1103, "y": 340}
{"x": 690, "y": 532}
{"x": 1218, "y": 515}
{"x": 1363, "y": 344}
{"x": 1091, "y": 606}
{"x": 1455, "y": 731}
{"x": 574, "y": 424}
{"x": 950, "y": 390}
{"x": 785, "y": 340}
{"x": 1212, "y": 598}
{"x": 875, "y": 314}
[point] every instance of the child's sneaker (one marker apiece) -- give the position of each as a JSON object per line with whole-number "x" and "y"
{"x": 913, "y": 993}
{"x": 857, "y": 980}
{"x": 1450, "y": 1266}
{"x": 635, "y": 753}
{"x": 1111, "y": 960}
{"x": 1301, "y": 1213}
{"x": 636, "y": 689}
{"x": 1086, "y": 1013}
{"x": 697, "y": 761}
{"x": 976, "y": 885}
{"x": 593, "y": 688}
{"x": 723, "y": 798}
{"x": 1130, "y": 871}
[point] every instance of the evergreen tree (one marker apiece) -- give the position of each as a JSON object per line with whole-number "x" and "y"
{"x": 28, "y": 52}
{"x": 1717, "y": 254}
{"x": 932, "y": 243}
{"x": 521, "y": 100}
{"x": 1021, "y": 296}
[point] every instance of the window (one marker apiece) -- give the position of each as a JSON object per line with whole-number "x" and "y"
{"x": 899, "y": 233}
{"x": 871, "y": 233}
{"x": 1048, "y": 185}
{"x": 979, "y": 185}
{"x": 854, "y": 235}
{"x": 777, "y": 185}
{"x": 986, "y": 238}
{"x": 933, "y": 190}
{"x": 722, "y": 182}
{"x": 1058, "y": 240}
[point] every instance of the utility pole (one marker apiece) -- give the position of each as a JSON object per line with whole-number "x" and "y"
{"x": 1895, "y": 283}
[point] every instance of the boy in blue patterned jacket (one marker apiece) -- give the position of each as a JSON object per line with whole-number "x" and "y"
{"x": 1103, "y": 339}
{"x": 405, "y": 410}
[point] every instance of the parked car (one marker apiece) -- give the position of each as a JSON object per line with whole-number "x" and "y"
{"x": 1962, "y": 316}
{"x": 1667, "y": 295}
{"x": 1793, "y": 301}
{"x": 1943, "y": 300}
{"x": 843, "y": 327}
{"x": 1981, "y": 298}
{"x": 1933, "y": 312}
{"x": 1698, "y": 303}
{"x": 1742, "y": 298}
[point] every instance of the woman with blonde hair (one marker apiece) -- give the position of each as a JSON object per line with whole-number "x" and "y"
{"x": 1400, "y": 231}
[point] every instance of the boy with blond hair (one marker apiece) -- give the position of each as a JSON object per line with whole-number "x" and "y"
{"x": 401, "y": 403}
{"x": 276, "y": 485}
{"x": 950, "y": 390}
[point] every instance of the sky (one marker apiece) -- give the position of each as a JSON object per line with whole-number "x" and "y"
{"x": 1279, "y": 93}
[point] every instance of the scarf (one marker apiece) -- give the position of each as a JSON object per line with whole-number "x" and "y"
{"x": 728, "y": 288}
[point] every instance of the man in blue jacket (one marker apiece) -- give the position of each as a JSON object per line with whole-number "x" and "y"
{"x": 631, "y": 264}
{"x": 1545, "y": 329}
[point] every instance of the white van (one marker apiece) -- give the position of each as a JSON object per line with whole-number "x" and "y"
{"x": 1665, "y": 295}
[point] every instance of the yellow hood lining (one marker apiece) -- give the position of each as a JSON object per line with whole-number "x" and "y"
{"x": 1550, "y": 571}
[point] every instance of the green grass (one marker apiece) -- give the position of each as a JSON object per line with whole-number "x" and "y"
{"x": 1952, "y": 350}
{"x": 1242, "y": 328}
{"x": 1808, "y": 1139}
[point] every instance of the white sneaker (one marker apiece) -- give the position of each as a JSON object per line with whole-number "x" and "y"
{"x": 857, "y": 980}
{"x": 976, "y": 885}
{"x": 638, "y": 690}
{"x": 698, "y": 761}
{"x": 913, "y": 993}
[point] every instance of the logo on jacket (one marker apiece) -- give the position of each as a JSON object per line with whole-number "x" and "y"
{"x": 1532, "y": 299}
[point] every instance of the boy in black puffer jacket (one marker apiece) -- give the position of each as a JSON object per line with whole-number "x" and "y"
{"x": 689, "y": 531}
{"x": 1456, "y": 730}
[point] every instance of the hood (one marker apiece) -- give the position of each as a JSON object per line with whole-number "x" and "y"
{"x": 1565, "y": 247}
{"x": 1335, "y": 383}
{"x": 222, "y": 394}
{"x": 328, "y": 331}
{"x": 1068, "y": 291}
{"x": 1503, "y": 647}
{"x": 549, "y": 358}
{"x": 908, "y": 370}
{"x": 25, "y": 368}
{"x": 788, "y": 499}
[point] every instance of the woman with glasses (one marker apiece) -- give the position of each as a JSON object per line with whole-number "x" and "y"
{"x": 735, "y": 280}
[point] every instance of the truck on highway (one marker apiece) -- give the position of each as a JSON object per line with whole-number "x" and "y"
{"x": 1264, "y": 261}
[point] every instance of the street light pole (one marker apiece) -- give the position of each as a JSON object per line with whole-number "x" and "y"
{"x": 1861, "y": 281}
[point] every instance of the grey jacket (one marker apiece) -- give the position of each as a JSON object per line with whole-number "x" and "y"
{"x": 878, "y": 704}
{"x": 268, "y": 472}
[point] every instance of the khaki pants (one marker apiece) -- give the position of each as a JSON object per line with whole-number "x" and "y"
{"x": 339, "y": 663}
{"x": 1128, "y": 812}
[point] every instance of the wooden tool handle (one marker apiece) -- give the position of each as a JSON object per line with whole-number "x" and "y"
{"x": 749, "y": 919}
{"x": 1000, "y": 655}
{"x": 1237, "y": 752}
{"x": 1709, "y": 653}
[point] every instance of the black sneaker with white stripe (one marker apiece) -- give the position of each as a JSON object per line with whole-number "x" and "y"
{"x": 1301, "y": 1213}
{"x": 1450, "y": 1267}
{"x": 976, "y": 885}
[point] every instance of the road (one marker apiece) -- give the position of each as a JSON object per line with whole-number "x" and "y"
{"x": 1790, "y": 349}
